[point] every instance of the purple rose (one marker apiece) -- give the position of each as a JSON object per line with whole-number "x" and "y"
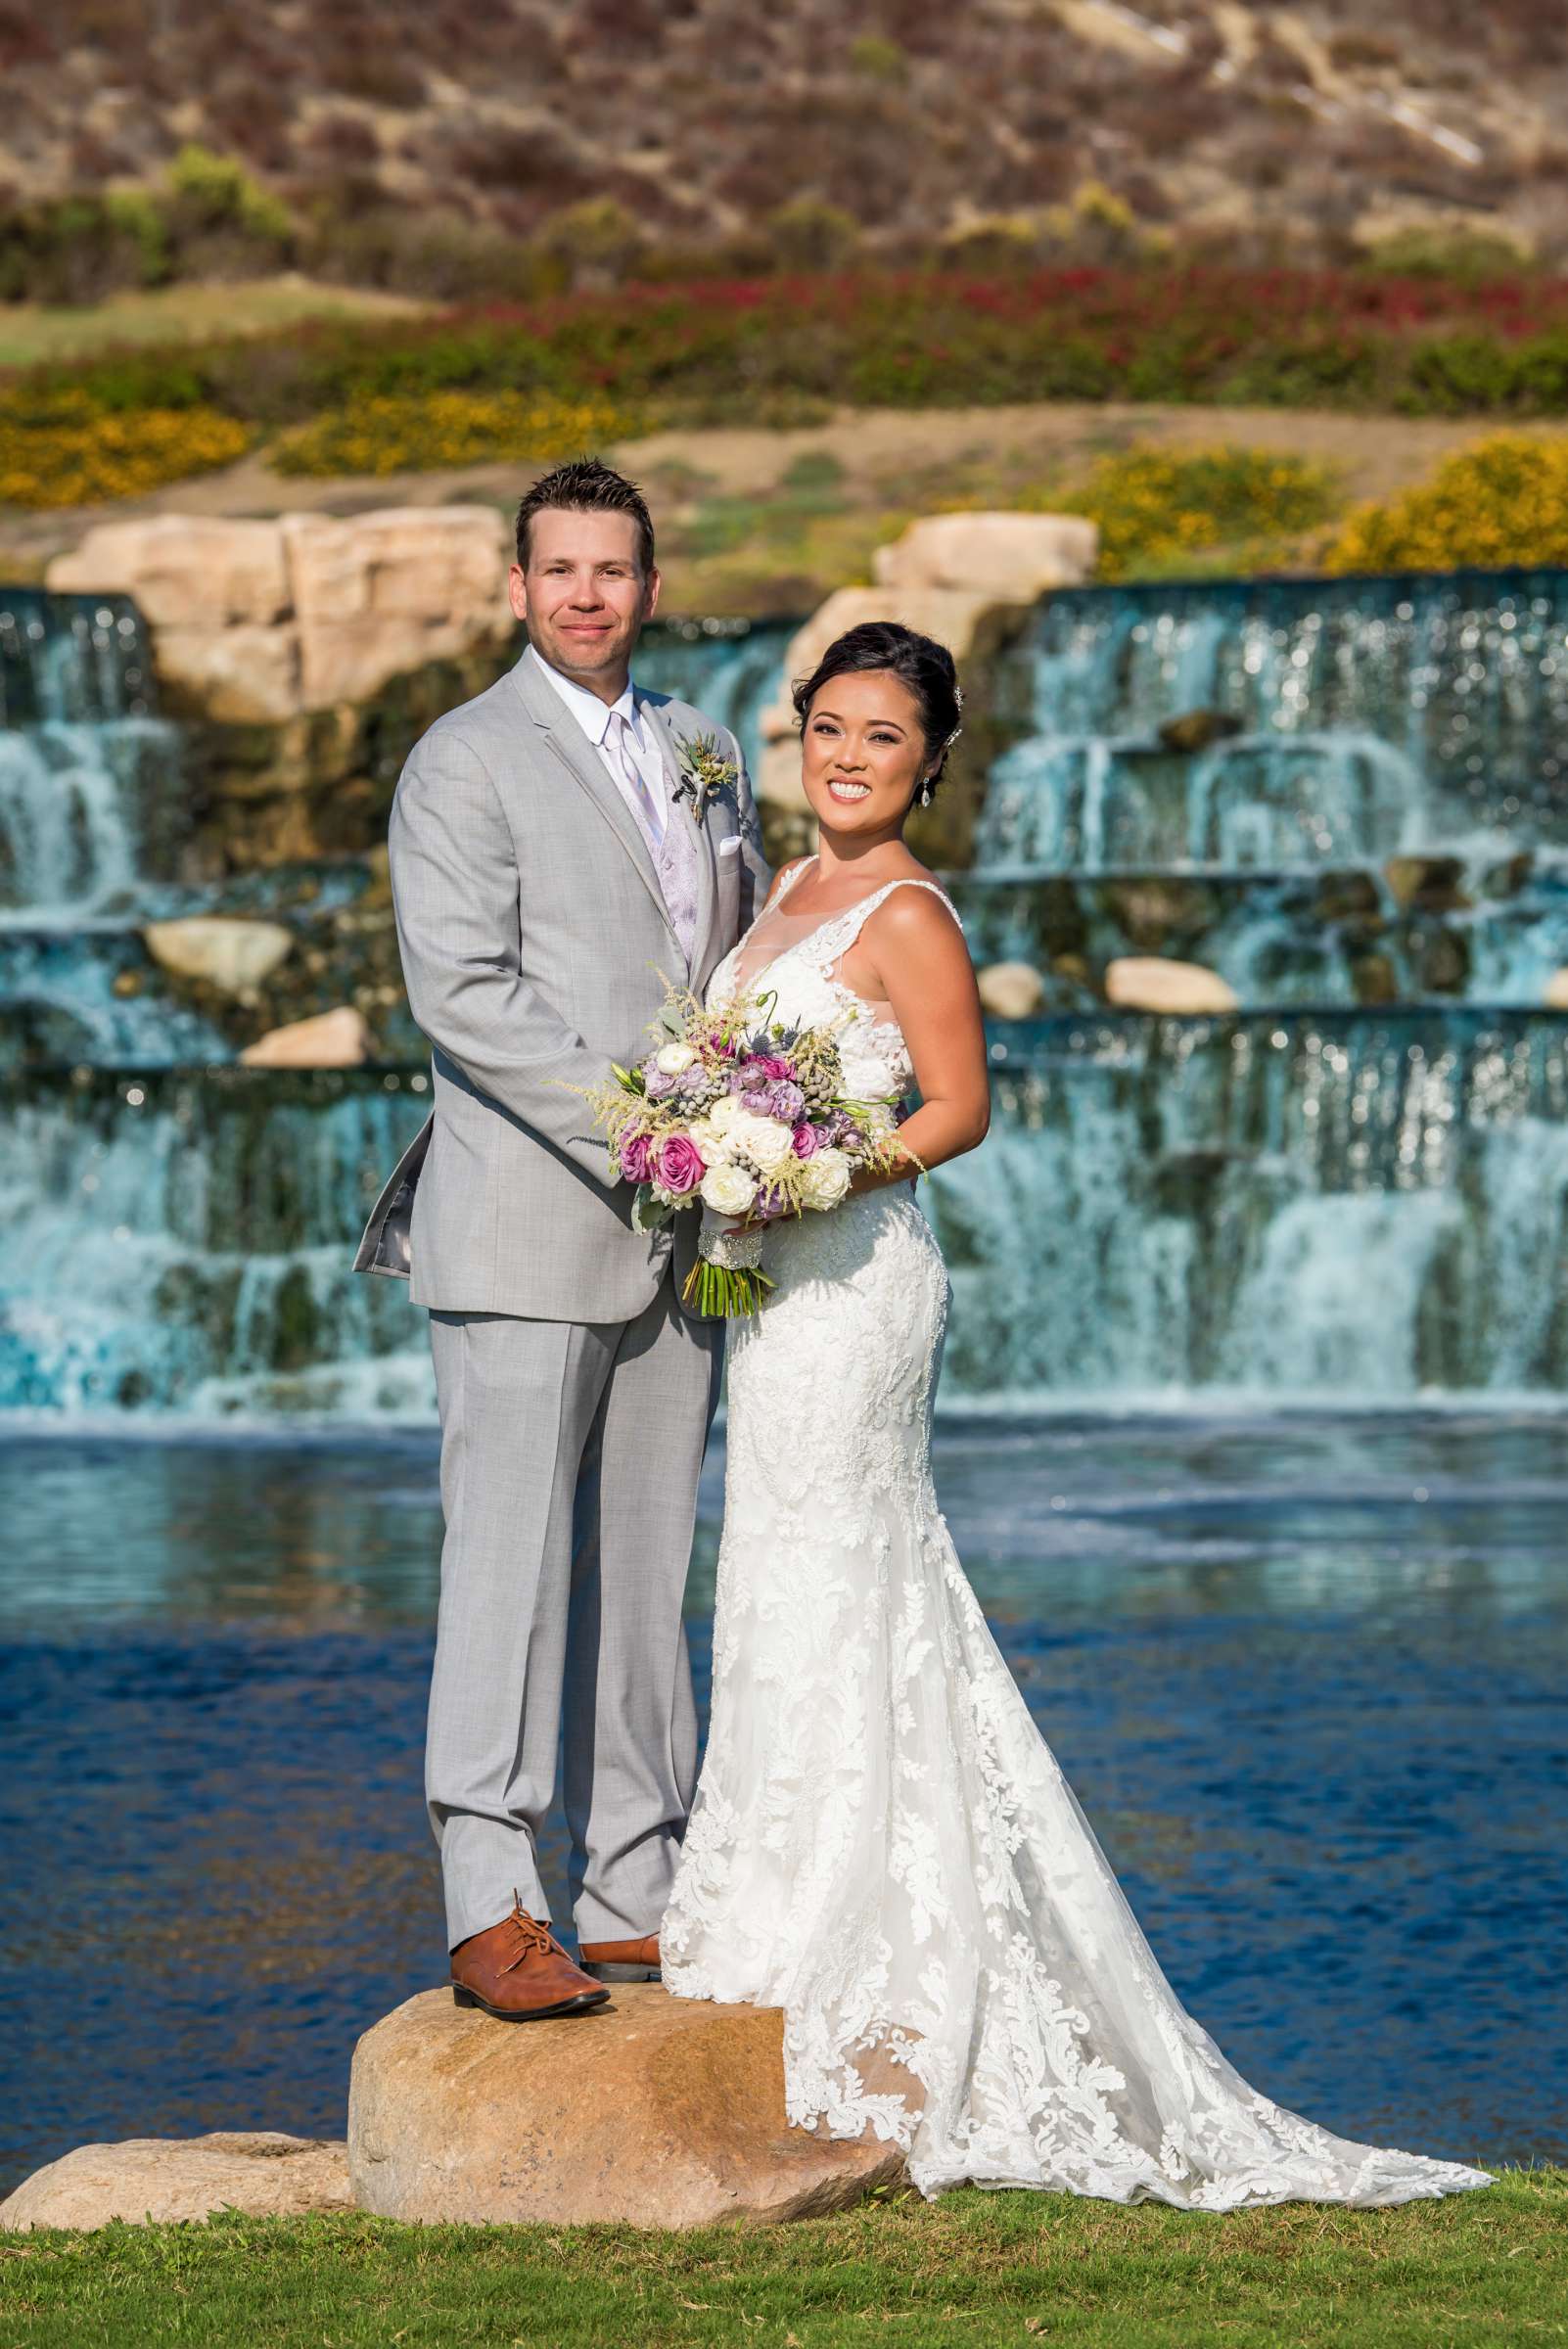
{"x": 722, "y": 1044}
{"x": 786, "y": 1101}
{"x": 636, "y": 1158}
{"x": 808, "y": 1139}
{"x": 766, "y": 1068}
{"x": 655, "y": 1084}
{"x": 769, "y": 1204}
{"x": 759, "y": 1099}
{"x": 680, "y": 1167}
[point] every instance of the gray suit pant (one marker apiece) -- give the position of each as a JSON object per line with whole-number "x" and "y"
{"x": 570, "y": 1460}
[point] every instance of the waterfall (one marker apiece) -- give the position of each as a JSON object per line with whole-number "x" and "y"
{"x": 728, "y": 669}
{"x": 88, "y": 774}
{"x": 1328, "y": 1204}
{"x": 1354, "y": 1186}
{"x": 180, "y": 1241}
{"x": 1362, "y": 716}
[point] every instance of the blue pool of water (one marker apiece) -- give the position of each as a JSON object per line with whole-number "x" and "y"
{"x": 1306, "y": 1673}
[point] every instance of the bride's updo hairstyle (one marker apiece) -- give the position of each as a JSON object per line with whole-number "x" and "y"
{"x": 919, "y": 663}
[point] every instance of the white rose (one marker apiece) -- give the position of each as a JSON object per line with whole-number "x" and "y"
{"x": 725, "y": 1110}
{"x": 709, "y": 1140}
{"x": 728, "y": 1189}
{"x": 763, "y": 1140}
{"x": 673, "y": 1059}
{"x": 824, "y": 1179}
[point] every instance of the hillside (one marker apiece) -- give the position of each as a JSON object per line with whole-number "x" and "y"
{"x": 723, "y": 133}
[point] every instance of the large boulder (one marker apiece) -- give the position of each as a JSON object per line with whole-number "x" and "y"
{"x": 150, "y": 2180}
{"x": 186, "y": 571}
{"x": 330, "y": 1040}
{"x": 224, "y": 950}
{"x": 1006, "y": 557}
{"x": 1011, "y": 991}
{"x": 652, "y": 2112}
{"x": 1156, "y": 982}
{"x": 260, "y": 621}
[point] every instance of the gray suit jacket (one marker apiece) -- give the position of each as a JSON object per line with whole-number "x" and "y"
{"x": 535, "y": 945}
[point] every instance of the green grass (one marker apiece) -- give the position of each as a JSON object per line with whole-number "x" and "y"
{"x": 971, "y": 2270}
{"x": 33, "y": 332}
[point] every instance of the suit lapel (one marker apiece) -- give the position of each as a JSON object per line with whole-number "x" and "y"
{"x": 582, "y": 763}
{"x": 680, "y": 813}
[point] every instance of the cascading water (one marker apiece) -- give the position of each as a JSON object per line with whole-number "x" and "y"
{"x": 728, "y": 669}
{"x": 1331, "y": 1193}
{"x": 1340, "y": 1203}
{"x": 1358, "y": 717}
{"x": 84, "y": 812}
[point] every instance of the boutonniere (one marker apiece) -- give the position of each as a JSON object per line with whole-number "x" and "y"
{"x": 706, "y": 774}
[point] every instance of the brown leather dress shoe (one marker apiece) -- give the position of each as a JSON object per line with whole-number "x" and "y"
{"x": 519, "y": 1972}
{"x": 622, "y": 1961}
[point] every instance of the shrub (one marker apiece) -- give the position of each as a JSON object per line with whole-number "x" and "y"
{"x": 878, "y": 58}
{"x": 388, "y": 434}
{"x": 1159, "y": 508}
{"x": 1503, "y": 500}
{"x": 68, "y": 453}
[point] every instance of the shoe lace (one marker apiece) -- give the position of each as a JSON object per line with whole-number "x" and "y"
{"x": 530, "y": 1933}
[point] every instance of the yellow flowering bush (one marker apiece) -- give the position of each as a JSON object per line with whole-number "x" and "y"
{"x": 1502, "y": 500}
{"x": 67, "y": 452}
{"x": 415, "y": 432}
{"x": 1160, "y": 509}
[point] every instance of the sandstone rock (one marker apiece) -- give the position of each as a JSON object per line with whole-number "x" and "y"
{"x": 1196, "y": 730}
{"x": 154, "y": 2179}
{"x": 332, "y": 1040}
{"x": 1152, "y": 983}
{"x": 383, "y": 593}
{"x": 654, "y": 2112}
{"x": 1011, "y": 991}
{"x": 223, "y": 950}
{"x": 1007, "y": 557}
{"x": 237, "y": 675}
{"x": 260, "y": 621}
{"x": 184, "y": 570}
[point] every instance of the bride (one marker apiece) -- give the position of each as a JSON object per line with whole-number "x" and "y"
{"x": 882, "y": 1843}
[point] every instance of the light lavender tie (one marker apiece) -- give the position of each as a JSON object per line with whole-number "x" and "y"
{"x": 649, "y": 812}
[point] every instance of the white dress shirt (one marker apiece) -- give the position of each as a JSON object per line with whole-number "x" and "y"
{"x": 595, "y": 717}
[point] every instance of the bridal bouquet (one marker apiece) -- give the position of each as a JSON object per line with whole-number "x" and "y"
{"x": 743, "y": 1117}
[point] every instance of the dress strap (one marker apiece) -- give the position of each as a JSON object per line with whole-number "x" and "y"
{"x": 836, "y": 937}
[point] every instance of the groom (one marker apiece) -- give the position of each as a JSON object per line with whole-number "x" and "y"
{"x": 546, "y": 870}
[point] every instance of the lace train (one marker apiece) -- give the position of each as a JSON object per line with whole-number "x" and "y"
{"x": 882, "y": 1843}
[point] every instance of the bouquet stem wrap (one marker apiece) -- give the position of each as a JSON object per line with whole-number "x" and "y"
{"x": 727, "y": 1277}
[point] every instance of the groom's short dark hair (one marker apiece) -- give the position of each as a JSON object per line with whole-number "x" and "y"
{"x": 584, "y": 485}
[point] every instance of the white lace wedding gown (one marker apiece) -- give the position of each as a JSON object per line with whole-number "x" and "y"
{"x": 882, "y": 1843}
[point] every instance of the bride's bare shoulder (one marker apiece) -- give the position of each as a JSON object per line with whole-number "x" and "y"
{"x": 915, "y": 923}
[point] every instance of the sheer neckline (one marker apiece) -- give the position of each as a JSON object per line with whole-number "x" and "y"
{"x": 855, "y": 915}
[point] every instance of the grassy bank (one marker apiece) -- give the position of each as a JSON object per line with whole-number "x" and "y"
{"x": 971, "y": 2270}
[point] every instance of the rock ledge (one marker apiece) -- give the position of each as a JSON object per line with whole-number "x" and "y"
{"x": 150, "y": 2180}
{"x": 654, "y": 2112}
